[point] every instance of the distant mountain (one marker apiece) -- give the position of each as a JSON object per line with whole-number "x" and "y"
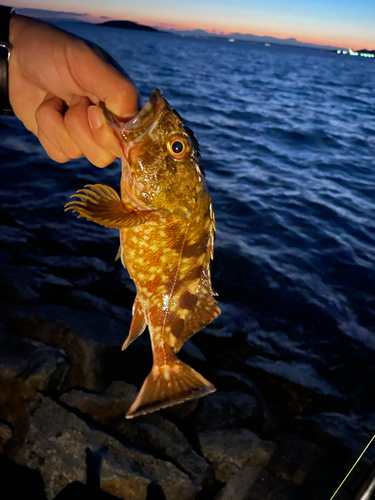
{"x": 365, "y": 51}
{"x": 129, "y": 25}
{"x": 252, "y": 38}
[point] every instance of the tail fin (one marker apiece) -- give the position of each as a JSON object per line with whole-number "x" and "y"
{"x": 168, "y": 385}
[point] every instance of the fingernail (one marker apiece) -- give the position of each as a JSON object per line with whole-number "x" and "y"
{"x": 95, "y": 117}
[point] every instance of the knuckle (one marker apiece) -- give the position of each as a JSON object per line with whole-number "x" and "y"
{"x": 69, "y": 120}
{"x": 57, "y": 156}
{"x": 71, "y": 149}
{"x": 102, "y": 161}
{"x": 41, "y": 115}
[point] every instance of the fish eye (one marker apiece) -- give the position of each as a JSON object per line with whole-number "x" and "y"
{"x": 179, "y": 147}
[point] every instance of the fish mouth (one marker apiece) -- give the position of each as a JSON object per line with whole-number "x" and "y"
{"x": 143, "y": 122}
{"x": 132, "y": 136}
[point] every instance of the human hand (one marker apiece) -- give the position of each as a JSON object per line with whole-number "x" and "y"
{"x": 56, "y": 82}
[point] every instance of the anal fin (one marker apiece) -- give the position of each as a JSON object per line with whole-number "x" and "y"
{"x": 168, "y": 385}
{"x": 197, "y": 317}
{"x": 138, "y": 324}
{"x": 103, "y": 205}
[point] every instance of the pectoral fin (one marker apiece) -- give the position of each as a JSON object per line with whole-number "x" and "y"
{"x": 103, "y": 205}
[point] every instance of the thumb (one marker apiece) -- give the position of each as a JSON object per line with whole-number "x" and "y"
{"x": 102, "y": 79}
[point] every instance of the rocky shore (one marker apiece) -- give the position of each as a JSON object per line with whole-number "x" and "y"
{"x": 273, "y": 430}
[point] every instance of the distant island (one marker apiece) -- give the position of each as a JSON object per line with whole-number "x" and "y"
{"x": 248, "y": 37}
{"x": 128, "y": 25}
{"x": 60, "y": 16}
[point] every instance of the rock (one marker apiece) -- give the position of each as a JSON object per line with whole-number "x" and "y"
{"x": 103, "y": 408}
{"x": 273, "y": 344}
{"x": 5, "y": 435}
{"x": 239, "y": 447}
{"x": 80, "y": 270}
{"x": 152, "y": 432}
{"x": 122, "y": 483}
{"x": 298, "y": 461}
{"x": 85, "y": 301}
{"x": 92, "y": 342}
{"x": 269, "y": 424}
{"x": 194, "y": 357}
{"x": 70, "y": 266}
{"x": 26, "y": 367}
{"x": 343, "y": 437}
{"x": 294, "y": 387}
{"x": 256, "y": 483}
{"x": 18, "y": 283}
{"x": 369, "y": 423}
{"x": 65, "y": 449}
{"x": 15, "y": 239}
{"x": 232, "y": 381}
{"x": 227, "y": 410}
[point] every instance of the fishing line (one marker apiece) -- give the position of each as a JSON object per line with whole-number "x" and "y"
{"x": 358, "y": 459}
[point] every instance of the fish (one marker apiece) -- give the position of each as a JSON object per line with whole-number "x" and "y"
{"x": 167, "y": 228}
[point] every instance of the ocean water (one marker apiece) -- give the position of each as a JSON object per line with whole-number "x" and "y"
{"x": 287, "y": 137}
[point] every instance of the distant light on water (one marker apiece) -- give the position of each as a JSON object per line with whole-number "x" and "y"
{"x": 355, "y": 53}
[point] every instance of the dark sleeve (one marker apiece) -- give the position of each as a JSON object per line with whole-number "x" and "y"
{"x": 5, "y": 49}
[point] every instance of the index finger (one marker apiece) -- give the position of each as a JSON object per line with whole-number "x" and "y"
{"x": 100, "y": 79}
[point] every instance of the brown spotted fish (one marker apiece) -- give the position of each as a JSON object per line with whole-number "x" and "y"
{"x": 167, "y": 227}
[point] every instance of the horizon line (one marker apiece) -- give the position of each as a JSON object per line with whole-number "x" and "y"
{"x": 96, "y": 18}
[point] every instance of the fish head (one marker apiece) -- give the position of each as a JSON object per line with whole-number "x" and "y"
{"x": 161, "y": 169}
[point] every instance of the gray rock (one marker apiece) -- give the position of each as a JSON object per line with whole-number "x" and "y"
{"x": 298, "y": 461}
{"x": 231, "y": 381}
{"x": 273, "y": 344}
{"x": 101, "y": 407}
{"x": 19, "y": 283}
{"x": 369, "y": 423}
{"x": 192, "y": 355}
{"x": 85, "y": 301}
{"x": 15, "y": 238}
{"x": 293, "y": 387}
{"x": 227, "y": 409}
{"x": 256, "y": 483}
{"x": 70, "y": 264}
{"x": 26, "y": 366}
{"x": 92, "y": 341}
{"x": 152, "y": 433}
{"x": 239, "y": 447}
{"x": 5, "y": 435}
{"x": 343, "y": 437}
{"x": 61, "y": 446}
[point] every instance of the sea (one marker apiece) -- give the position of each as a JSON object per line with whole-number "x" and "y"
{"x": 287, "y": 139}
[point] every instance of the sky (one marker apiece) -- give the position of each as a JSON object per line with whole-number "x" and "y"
{"x": 341, "y": 23}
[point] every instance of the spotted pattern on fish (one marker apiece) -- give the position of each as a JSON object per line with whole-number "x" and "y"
{"x": 167, "y": 228}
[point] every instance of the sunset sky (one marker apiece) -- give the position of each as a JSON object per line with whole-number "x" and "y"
{"x": 343, "y": 23}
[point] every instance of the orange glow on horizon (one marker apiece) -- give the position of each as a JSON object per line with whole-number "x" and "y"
{"x": 164, "y": 20}
{"x": 281, "y": 34}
